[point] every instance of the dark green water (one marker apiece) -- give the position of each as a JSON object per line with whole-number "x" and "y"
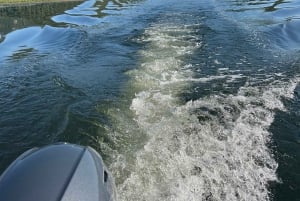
{"x": 185, "y": 100}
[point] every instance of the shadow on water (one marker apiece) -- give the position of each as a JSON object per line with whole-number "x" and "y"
{"x": 273, "y": 7}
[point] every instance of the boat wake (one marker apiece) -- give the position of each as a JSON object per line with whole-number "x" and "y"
{"x": 213, "y": 148}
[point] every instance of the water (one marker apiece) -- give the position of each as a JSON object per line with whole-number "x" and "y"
{"x": 185, "y": 100}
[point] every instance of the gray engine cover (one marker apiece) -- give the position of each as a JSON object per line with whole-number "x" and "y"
{"x": 60, "y": 172}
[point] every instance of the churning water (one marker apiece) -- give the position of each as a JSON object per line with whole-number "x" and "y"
{"x": 185, "y": 100}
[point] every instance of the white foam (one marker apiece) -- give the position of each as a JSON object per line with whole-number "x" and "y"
{"x": 225, "y": 159}
{"x": 214, "y": 148}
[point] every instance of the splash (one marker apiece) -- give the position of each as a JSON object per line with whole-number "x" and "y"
{"x": 214, "y": 148}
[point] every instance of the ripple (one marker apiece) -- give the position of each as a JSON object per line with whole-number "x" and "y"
{"x": 41, "y": 39}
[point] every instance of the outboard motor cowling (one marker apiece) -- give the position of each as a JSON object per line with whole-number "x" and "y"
{"x": 60, "y": 172}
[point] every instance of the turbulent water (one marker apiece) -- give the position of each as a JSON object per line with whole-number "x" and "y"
{"x": 185, "y": 100}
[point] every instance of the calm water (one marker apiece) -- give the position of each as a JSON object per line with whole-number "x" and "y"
{"x": 185, "y": 100}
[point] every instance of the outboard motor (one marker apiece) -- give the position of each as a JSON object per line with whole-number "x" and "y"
{"x": 60, "y": 172}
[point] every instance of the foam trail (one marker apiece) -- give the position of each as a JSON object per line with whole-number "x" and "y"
{"x": 214, "y": 148}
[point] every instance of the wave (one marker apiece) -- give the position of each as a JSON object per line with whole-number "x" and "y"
{"x": 213, "y": 148}
{"x": 38, "y": 39}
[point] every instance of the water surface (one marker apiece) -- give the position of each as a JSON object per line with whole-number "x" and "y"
{"x": 185, "y": 100}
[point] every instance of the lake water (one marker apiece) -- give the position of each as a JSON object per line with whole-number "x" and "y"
{"x": 185, "y": 100}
